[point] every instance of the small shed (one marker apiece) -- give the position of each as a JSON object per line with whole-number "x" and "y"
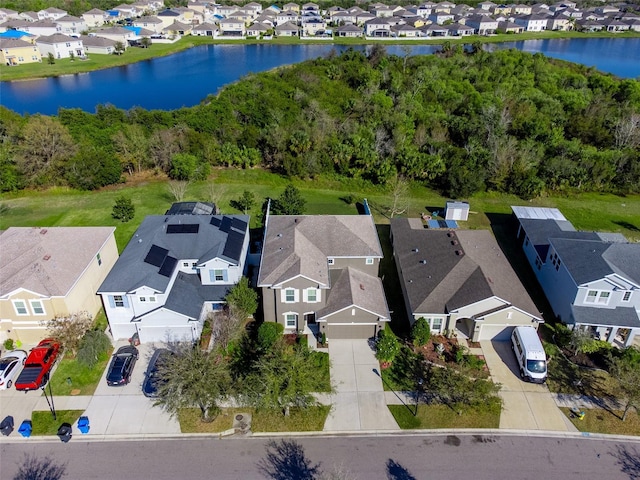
{"x": 457, "y": 211}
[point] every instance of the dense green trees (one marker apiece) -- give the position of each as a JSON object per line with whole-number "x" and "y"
{"x": 461, "y": 122}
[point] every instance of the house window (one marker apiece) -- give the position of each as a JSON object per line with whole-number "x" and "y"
{"x": 330, "y": 261}
{"x": 219, "y": 275}
{"x": 185, "y": 264}
{"x": 538, "y": 263}
{"x": 595, "y": 296}
{"x": 591, "y": 296}
{"x": 36, "y": 307}
{"x": 604, "y": 297}
{"x": 436, "y": 324}
{"x": 20, "y": 307}
{"x": 312, "y": 295}
{"x": 143, "y": 299}
{"x": 626, "y": 297}
{"x": 369, "y": 261}
{"x": 152, "y": 299}
{"x": 194, "y": 265}
{"x": 291, "y": 320}
{"x": 118, "y": 300}
{"x": 99, "y": 259}
{"x": 289, "y": 295}
{"x": 68, "y": 44}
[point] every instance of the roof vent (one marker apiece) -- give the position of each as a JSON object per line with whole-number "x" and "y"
{"x": 459, "y": 253}
{"x": 450, "y": 234}
{"x": 423, "y": 262}
{"x": 361, "y": 287}
{"x": 454, "y": 242}
{"x": 415, "y": 250}
{"x": 44, "y": 230}
{"x": 46, "y": 257}
{"x": 279, "y": 235}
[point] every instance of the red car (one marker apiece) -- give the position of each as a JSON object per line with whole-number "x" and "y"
{"x": 40, "y": 361}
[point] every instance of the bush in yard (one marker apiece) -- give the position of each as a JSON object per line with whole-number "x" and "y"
{"x": 387, "y": 346}
{"x": 69, "y": 330}
{"x": 8, "y": 344}
{"x": 268, "y": 334}
{"x": 420, "y": 332}
{"x": 123, "y": 210}
{"x": 92, "y": 346}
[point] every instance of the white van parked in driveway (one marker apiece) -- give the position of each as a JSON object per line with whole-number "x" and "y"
{"x": 532, "y": 360}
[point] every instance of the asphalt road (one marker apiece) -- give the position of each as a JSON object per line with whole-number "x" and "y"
{"x": 400, "y": 457}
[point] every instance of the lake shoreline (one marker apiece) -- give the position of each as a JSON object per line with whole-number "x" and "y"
{"x": 135, "y": 55}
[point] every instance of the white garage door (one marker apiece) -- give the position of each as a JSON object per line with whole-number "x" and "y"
{"x": 165, "y": 333}
{"x": 495, "y": 332}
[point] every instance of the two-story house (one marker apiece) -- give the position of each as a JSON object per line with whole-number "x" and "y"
{"x": 459, "y": 281}
{"x": 319, "y": 274}
{"x": 174, "y": 272}
{"x": 591, "y": 279}
{"x": 60, "y": 46}
{"x": 14, "y": 51}
{"x": 50, "y": 272}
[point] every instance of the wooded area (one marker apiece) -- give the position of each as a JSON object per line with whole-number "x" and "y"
{"x": 460, "y": 122}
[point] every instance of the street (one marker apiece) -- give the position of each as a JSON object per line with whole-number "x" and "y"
{"x": 405, "y": 457}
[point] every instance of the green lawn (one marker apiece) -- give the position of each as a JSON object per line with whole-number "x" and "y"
{"x": 299, "y": 420}
{"x": 603, "y": 421}
{"x": 44, "y": 424}
{"x": 133, "y": 55}
{"x": 564, "y": 377}
{"x": 324, "y": 195}
{"x": 442, "y": 416}
{"x": 71, "y": 376}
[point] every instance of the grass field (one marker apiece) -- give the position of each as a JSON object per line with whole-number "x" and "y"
{"x": 43, "y": 422}
{"x": 324, "y": 195}
{"x": 133, "y": 55}
{"x": 71, "y": 377}
{"x": 310, "y": 419}
{"x": 604, "y": 421}
{"x": 442, "y": 416}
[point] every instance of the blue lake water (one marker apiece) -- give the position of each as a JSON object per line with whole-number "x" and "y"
{"x": 186, "y": 78}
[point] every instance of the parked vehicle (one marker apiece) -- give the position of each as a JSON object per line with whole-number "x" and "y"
{"x": 121, "y": 366}
{"x": 529, "y": 352}
{"x": 10, "y": 366}
{"x": 38, "y": 365}
{"x": 152, "y": 380}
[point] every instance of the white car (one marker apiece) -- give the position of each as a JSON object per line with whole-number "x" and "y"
{"x": 10, "y": 366}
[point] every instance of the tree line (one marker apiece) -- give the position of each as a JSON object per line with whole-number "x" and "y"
{"x": 460, "y": 121}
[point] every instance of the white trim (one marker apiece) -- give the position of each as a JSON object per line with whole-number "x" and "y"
{"x": 26, "y": 307}
{"x": 286, "y": 314}
{"x": 380, "y": 317}
{"x": 283, "y": 295}
{"x": 280, "y": 285}
{"x": 305, "y": 295}
{"x": 33, "y": 310}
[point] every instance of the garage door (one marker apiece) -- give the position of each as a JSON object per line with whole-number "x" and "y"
{"x": 340, "y": 330}
{"x": 164, "y": 334}
{"x": 495, "y": 332}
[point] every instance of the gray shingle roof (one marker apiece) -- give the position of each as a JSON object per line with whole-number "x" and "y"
{"x": 300, "y": 245}
{"x": 358, "y": 289}
{"x": 616, "y": 317}
{"x": 188, "y": 295}
{"x": 210, "y": 241}
{"x": 445, "y": 270}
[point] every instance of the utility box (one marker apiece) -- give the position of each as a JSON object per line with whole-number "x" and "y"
{"x": 457, "y": 211}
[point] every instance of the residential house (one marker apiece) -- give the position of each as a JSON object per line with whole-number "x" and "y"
{"x": 41, "y": 277}
{"x": 230, "y": 27}
{"x": 377, "y": 27}
{"x": 349, "y": 31}
{"x": 40, "y": 28}
{"x": 405, "y": 31}
{"x": 441, "y": 17}
{"x": 591, "y": 279}
{"x": 459, "y": 30}
{"x": 168, "y": 16}
{"x": 293, "y": 7}
{"x": 51, "y": 14}
{"x": 287, "y": 16}
{"x": 532, "y": 23}
{"x": 311, "y": 28}
{"x": 98, "y": 45}
{"x": 118, "y": 34}
{"x": 178, "y": 29}
{"x": 95, "y": 18}
{"x": 521, "y": 9}
{"x": 28, "y": 16}
{"x": 128, "y": 11}
{"x": 589, "y": 26}
{"x": 510, "y": 27}
{"x": 613, "y": 25}
{"x": 459, "y": 281}
{"x": 205, "y": 29}
{"x": 226, "y": 10}
{"x": 61, "y": 46}
{"x": 482, "y": 25}
{"x": 151, "y": 23}
{"x": 287, "y": 30}
{"x": 257, "y": 29}
{"x": 14, "y": 51}
{"x": 175, "y": 271}
{"x": 319, "y": 274}
{"x": 8, "y": 14}
{"x": 559, "y": 22}
{"x": 70, "y": 25}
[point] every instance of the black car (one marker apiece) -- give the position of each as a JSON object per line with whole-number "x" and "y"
{"x": 121, "y": 366}
{"x": 151, "y": 379}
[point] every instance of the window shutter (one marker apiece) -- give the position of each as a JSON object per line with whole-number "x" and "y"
{"x": 296, "y": 295}
{"x": 125, "y": 301}
{"x": 112, "y": 302}
{"x": 212, "y": 275}
{"x": 225, "y": 277}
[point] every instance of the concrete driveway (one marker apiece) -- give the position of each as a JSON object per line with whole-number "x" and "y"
{"x": 526, "y": 406}
{"x": 358, "y": 402}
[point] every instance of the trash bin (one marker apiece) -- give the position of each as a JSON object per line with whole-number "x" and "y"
{"x": 135, "y": 340}
{"x": 25, "y": 428}
{"x": 64, "y": 432}
{"x": 83, "y": 424}
{"x": 6, "y": 426}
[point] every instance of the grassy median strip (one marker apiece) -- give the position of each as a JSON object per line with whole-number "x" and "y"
{"x": 443, "y": 416}
{"x": 298, "y": 420}
{"x": 44, "y": 424}
{"x": 605, "y": 421}
{"x": 74, "y": 378}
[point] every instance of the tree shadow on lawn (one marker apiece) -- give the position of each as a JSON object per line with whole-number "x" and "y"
{"x": 286, "y": 460}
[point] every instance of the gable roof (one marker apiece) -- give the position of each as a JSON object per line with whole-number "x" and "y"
{"x": 162, "y": 241}
{"x": 40, "y": 260}
{"x": 446, "y": 270}
{"x": 300, "y": 245}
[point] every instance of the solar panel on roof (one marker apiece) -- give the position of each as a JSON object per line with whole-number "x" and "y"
{"x": 183, "y": 228}
{"x": 226, "y": 224}
{"x": 239, "y": 224}
{"x": 233, "y": 247}
{"x": 156, "y": 255}
{"x": 168, "y": 266}
{"x": 215, "y": 221}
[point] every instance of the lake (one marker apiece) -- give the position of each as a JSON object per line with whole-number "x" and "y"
{"x": 186, "y": 78}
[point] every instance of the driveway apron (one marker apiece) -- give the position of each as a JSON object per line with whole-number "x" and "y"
{"x": 526, "y": 406}
{"x": 358, "y": 402}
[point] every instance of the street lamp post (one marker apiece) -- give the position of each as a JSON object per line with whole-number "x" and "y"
{"x": 49, "y": 398}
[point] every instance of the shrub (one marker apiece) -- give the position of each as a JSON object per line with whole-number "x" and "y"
{"x": 8, "y": 344}
{"x": 70, "y": 330}
{"x": 268, "y": 334}
{"x": 420, "y": 332}
{"x": 92, "y": 345}
{"x": 123, "y": 209}
{"x": 387, "y": 346}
